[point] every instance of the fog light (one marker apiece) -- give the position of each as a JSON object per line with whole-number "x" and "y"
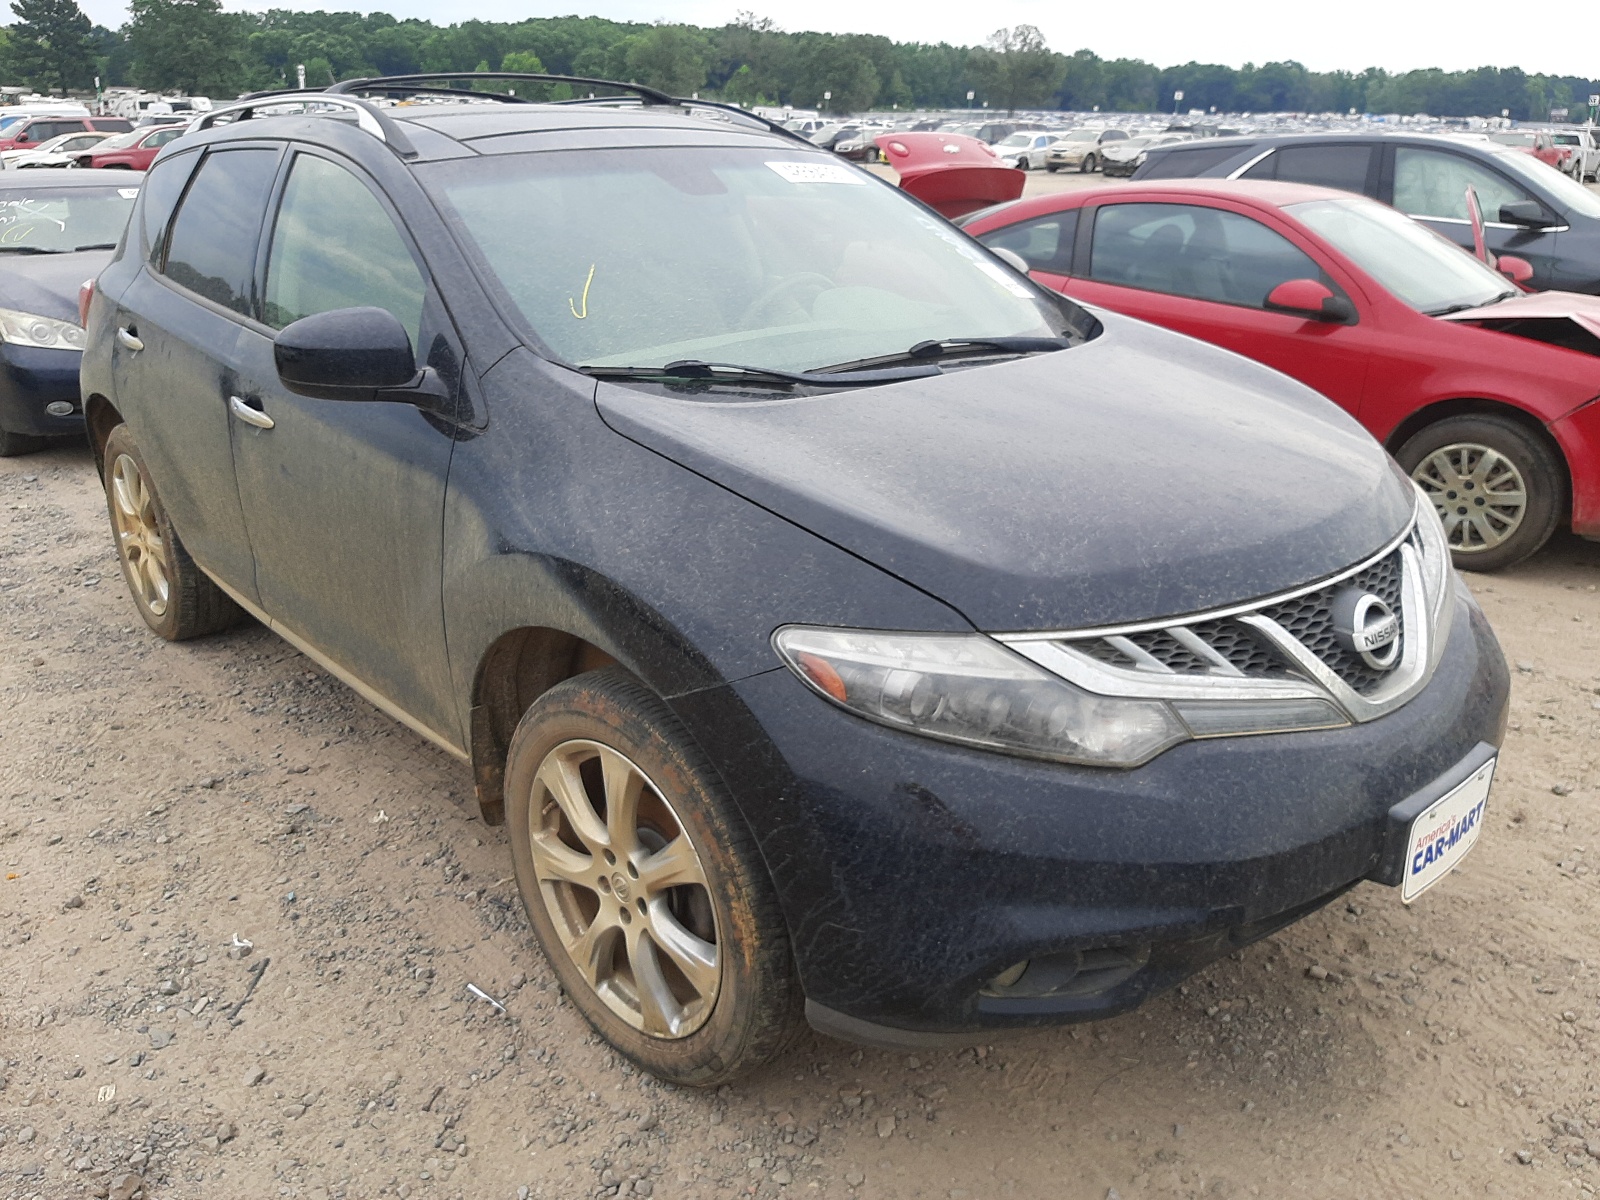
{"x": 60, "y": 408}
{"x": 1009, "y": 976}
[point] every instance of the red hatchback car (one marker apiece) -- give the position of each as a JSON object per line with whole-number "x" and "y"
{"x": 1487, "y": 396}
{"x": 133, "y": 151}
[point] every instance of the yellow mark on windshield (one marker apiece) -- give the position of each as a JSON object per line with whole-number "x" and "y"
{"x": 574, "y": 307}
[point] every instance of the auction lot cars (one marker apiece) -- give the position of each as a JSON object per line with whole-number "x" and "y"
{"x": 1485, "y": 395}
{"x": 1532, "y": 211}
{"x": 56, "y": 230}
{"x": 770, "y": 548}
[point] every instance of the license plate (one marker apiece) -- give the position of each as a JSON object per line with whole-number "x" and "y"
{"x": 1442, "y": 835}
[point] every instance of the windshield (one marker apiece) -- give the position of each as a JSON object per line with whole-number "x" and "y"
{"x": 63, "y": 219}
{"x": 1081, "y": 135}
{"x": 769, "y": 258}
{"x": 122, "y": 140}
{"x": 1512, "y": 139}
{"x": 1018, "y": 139}
{"x": 1416, "y": 264}
{"x": 7, "y": 122}
{"x": 1562, "y": 188}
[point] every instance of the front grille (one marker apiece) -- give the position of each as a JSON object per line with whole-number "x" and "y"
{"x": 1238, "y": 650}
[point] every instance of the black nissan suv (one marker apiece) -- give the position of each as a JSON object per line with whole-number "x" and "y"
{"x": 842, "y": 624}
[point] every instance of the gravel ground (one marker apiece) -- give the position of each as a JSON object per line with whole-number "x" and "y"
{"x": 241, "y": 910}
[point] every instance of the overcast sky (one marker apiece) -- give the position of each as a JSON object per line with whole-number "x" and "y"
{"x": 1349, "y": 35}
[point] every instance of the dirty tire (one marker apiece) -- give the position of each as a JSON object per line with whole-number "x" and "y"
{"x": 13, "y": 444}
{"x": 1542, "y": 472}
{"x": 193, "y": 605}
{"x": 757, "y": 1004}
{"x": 1086, "y": 167}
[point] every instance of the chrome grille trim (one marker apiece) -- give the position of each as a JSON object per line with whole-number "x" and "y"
{"x": 1172, "y": 659}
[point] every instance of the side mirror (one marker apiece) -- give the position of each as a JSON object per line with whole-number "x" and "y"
{"x": 1310, "y": 299}
{"x": 355, "y": 354}
{"x": 1518, "y": 270}
{"x": 1527, "y": 213}
{"x": 1011, "y": 258}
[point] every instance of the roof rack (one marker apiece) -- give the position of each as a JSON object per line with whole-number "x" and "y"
{"x": 646, "y": 96}
{"x": 369, "y": 117}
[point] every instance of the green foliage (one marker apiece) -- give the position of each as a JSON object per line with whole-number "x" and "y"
{"x": 51, "y": 45}
{"x": 193, "y": 45}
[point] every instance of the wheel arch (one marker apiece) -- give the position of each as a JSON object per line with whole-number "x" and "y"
{"x": 585, "y": 622}
{"x": 100, "y": 417}
{"x": 1468, "y": 406}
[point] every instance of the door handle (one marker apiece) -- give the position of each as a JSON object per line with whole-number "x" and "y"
{"x": 127, "y": 338}
{"x": 249, "y": 415}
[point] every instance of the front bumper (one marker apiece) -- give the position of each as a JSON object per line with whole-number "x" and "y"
{"x": 30, "y": 379}
{"x": 913, "y": 872}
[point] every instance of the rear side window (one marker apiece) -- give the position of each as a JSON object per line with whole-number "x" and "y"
{"x": 1342, "y": 167}
{"x": 1045, "y": 243}
{"x": 335, "y": 246}
{"x": 158, "y": 197}
{"x": 1191, "y": 250}
{"x": 1187, "y": 163}
{"x": 211, "y": 249}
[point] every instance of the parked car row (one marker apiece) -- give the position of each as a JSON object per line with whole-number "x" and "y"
{"x": 1124, "y": 650}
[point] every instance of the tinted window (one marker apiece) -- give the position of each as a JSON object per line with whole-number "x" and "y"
{"x": 158, "y": 197}
{"x": 212, "y": 246}
{"x": 334, "y": 246}
{"x": 1045, "y": 243}
{"x": 1186, "y": 164}
{"x": 1433, "y": 183}
{"x": 1189, "y": 250}
{"x": 1342, "y": 167}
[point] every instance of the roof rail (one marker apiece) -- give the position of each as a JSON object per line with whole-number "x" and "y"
{"x": 369, "y": 118}
{"x": 414, "y": 84}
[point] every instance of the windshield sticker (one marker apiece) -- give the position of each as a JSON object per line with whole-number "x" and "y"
{"x": 805, "y": 172}
{"x": 127, "y": 193}
{"x": 582, "y": 315}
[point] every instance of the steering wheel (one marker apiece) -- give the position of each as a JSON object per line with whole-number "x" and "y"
{"x": 781, "y": 288}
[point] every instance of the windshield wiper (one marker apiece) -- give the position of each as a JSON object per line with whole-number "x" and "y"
{"x": 1455, "y": 308}
{"x": 29, "y": 250}
{"x": 962, "y": 347}
{"x": 694, "y": 368}
{"x": 96, "y": 246}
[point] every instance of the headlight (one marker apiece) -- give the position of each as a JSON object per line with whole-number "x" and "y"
{"x": 969, "y": 689}
{"x": 1138, "y": 159}
{"x": 46, "y": 333}
{"x": 1438, "y": 572}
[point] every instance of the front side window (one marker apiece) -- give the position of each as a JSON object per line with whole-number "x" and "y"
{"x": 764, "y": 257}
{"x": 162, "y": 136}
{"x": 335, "y": 246}
{"x": 1045, "y": 243}
{"x": 1191, "y": 250}
{"x": 211, "y": 249}
{"x": 1433, "y": 183}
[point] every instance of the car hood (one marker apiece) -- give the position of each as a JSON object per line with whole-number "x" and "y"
{"x": 1142, "y": 474}
{"x": 47, "y": 284}
{"x": 1506, "y": 315}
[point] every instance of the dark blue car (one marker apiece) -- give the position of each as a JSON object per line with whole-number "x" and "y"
{"x": 57, "y": 229}
{"x": 842, "y": 624}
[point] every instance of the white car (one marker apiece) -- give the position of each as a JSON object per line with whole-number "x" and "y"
{"x": 61, "y": 151}
{"x": 1584, "y": 162}
{"x": 1026, "y": 149}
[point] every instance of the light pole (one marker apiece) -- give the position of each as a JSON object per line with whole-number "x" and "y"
{"x": 970, "y": 95}
{"x": 1177, "y": 98}
{"x": 826, "y": 97}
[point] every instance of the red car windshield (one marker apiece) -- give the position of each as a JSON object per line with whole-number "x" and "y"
{"x": 1417, "y": 265}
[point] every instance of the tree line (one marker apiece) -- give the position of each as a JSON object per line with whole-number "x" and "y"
{"x": 193, "y": 46}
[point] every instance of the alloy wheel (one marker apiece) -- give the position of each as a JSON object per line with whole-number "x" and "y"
{"x": 139, "y": 538}
{"x": 625, "y": 889}
{"x": 1479, "y": 492}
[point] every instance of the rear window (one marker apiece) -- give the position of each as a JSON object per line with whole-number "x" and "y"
{"x": 1341, "y": 167}
{"x": 1186, "y": 164}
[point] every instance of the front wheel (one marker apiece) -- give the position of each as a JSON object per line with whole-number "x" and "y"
{"x": 644, "y": 885}
{"x": 1498, "y": 488}
{"x": 1089, "y": 164}
{"x": 1052, "y": 167}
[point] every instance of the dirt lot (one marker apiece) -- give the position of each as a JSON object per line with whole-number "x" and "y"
{"x": 159, "y": 803}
